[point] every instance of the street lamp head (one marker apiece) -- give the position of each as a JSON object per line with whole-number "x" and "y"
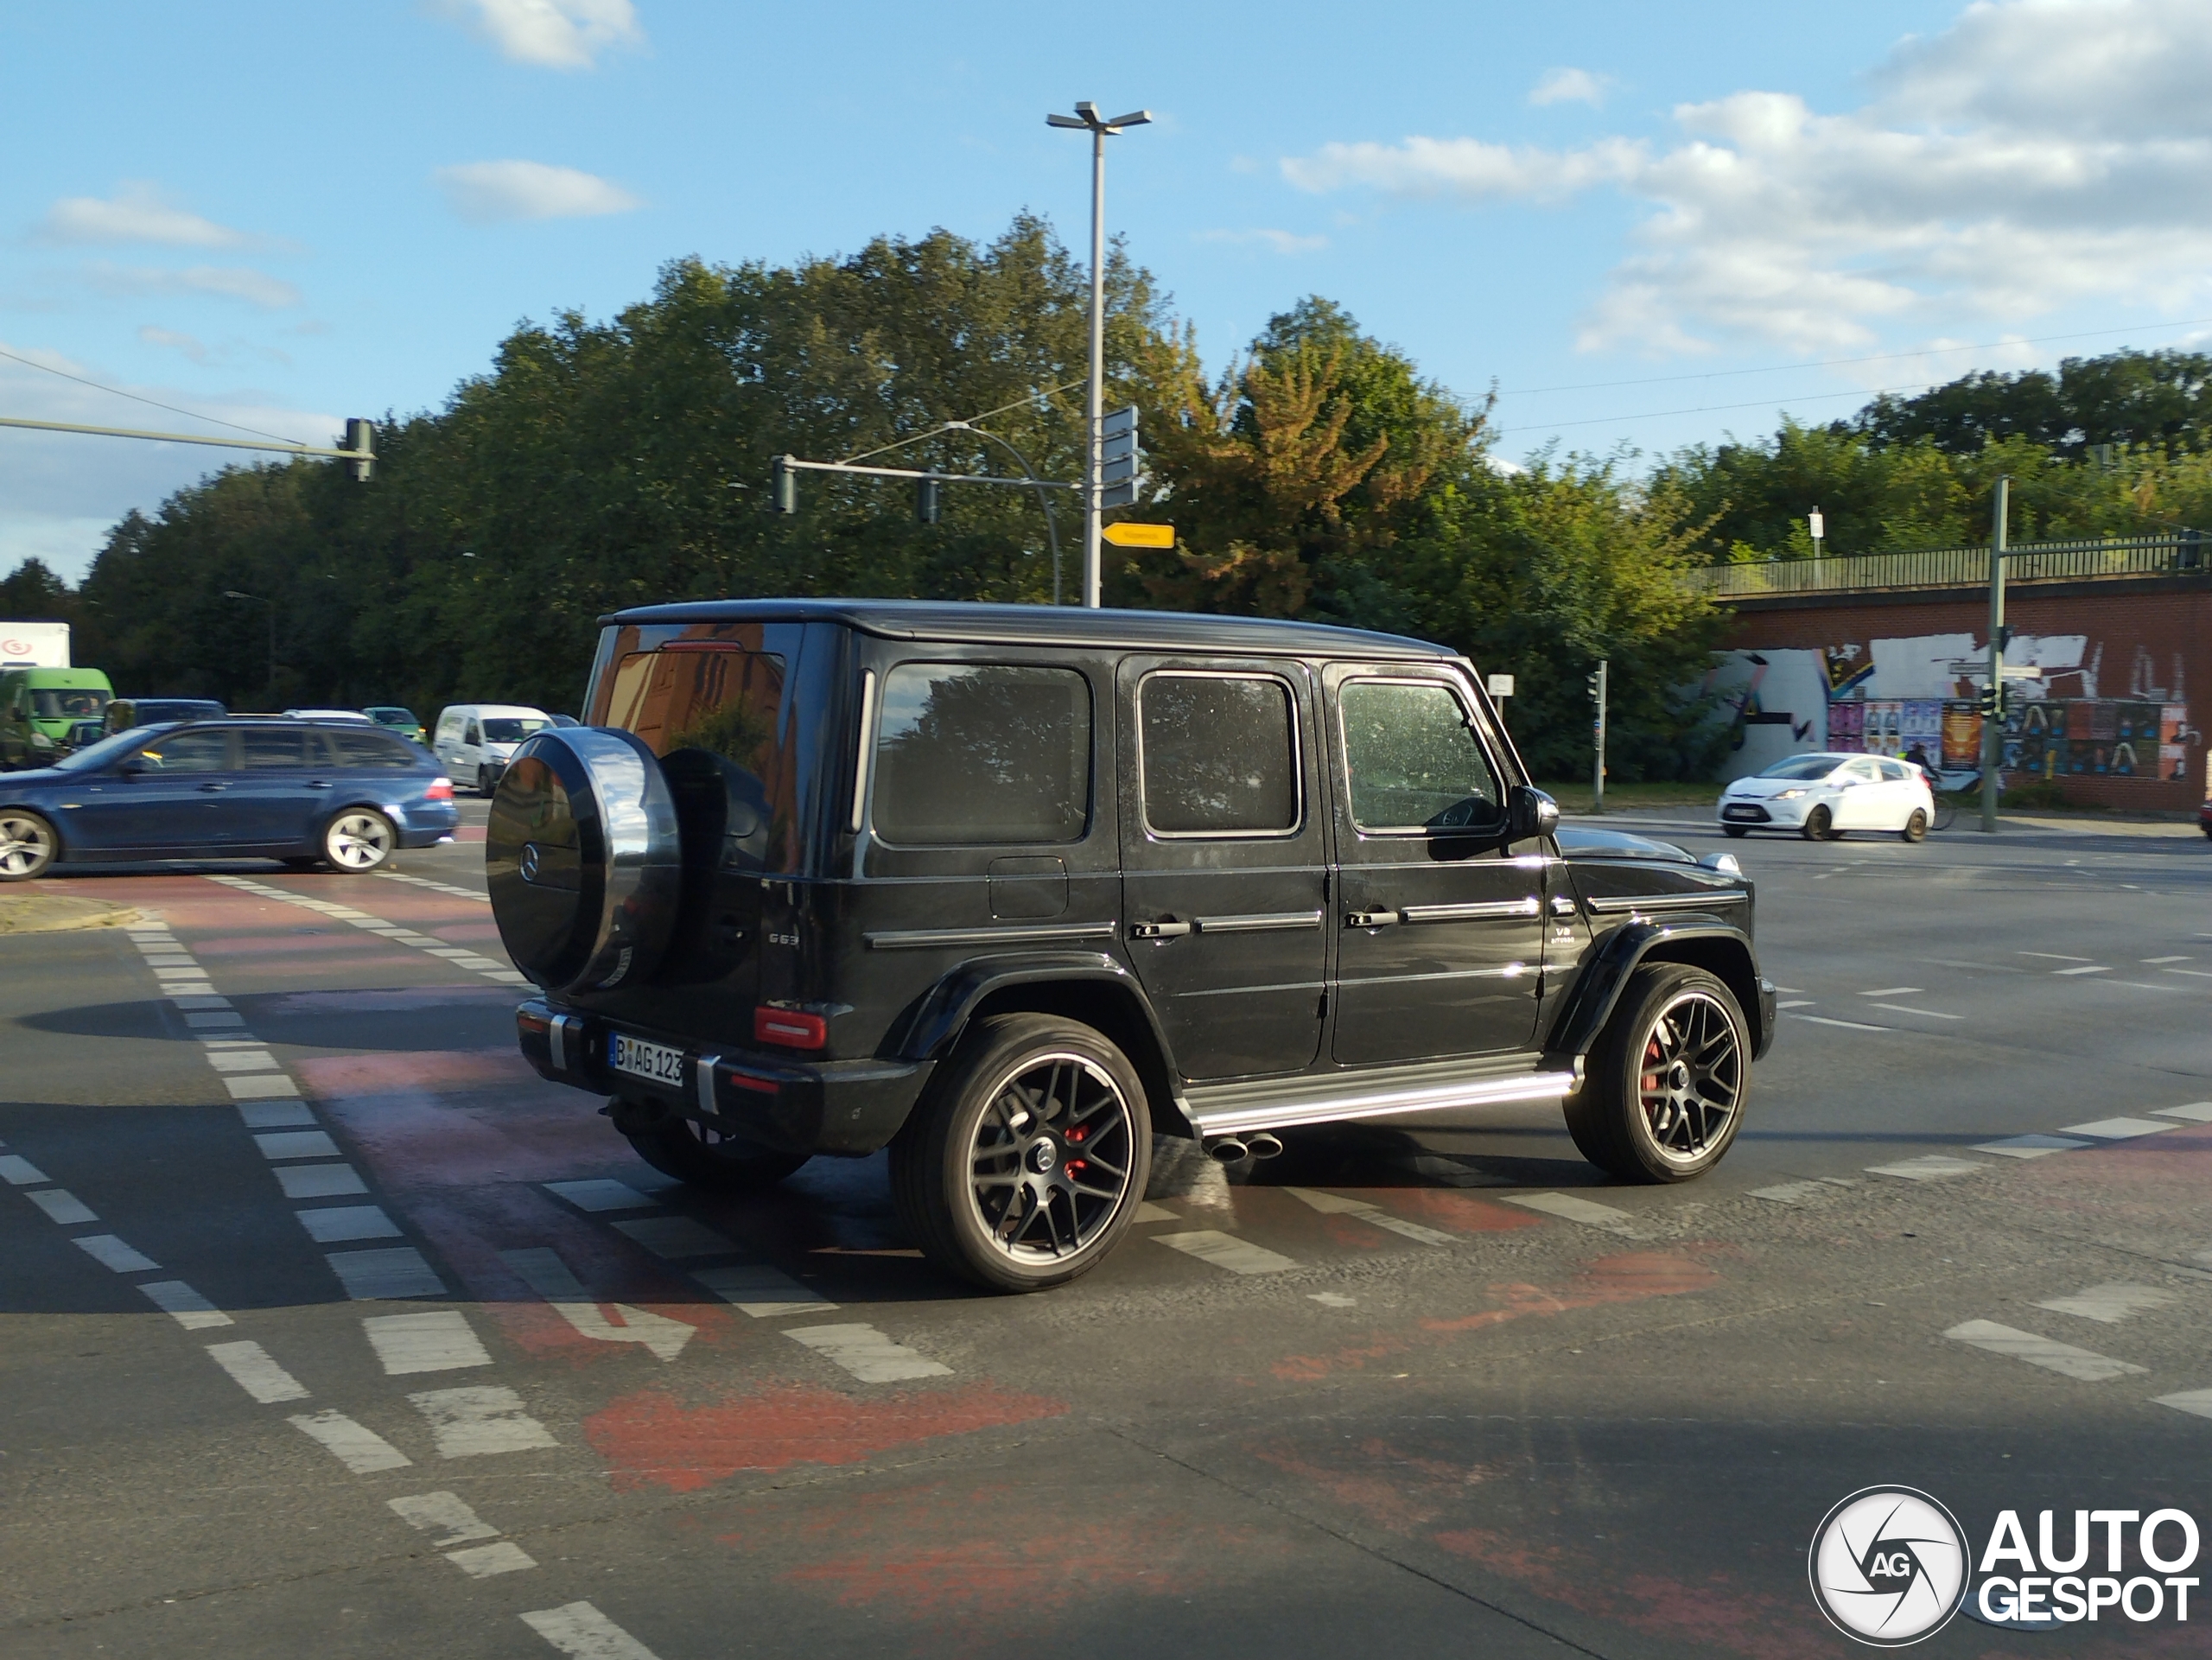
{"x": 1075, "y": 122}
{"x": 1086, "y": 118}
{"x": 1086, "y": 109}
{"x": 1135, "y": 118}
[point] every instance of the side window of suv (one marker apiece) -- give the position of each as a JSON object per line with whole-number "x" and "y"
{"x": 1219, "y": 755}
{"x": 1415, "y": 762}
{"x": 982, "y": 754}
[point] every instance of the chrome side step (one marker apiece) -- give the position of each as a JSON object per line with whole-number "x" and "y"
{"x": 1378, "y": 1102}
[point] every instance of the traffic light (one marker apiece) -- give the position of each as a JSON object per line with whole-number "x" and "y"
{"x": 927, "y": 507}
{"x": 786, "y": 483}
{"x": 1993, "y": 702}
{"x": 361, "y": 437}
{"x": 1121, "y": 463}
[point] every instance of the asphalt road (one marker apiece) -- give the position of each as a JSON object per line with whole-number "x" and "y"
{"x": 327, "y": 1327}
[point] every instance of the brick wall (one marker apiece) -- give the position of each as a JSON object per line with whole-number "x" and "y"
{"x": 2142, "y": 644}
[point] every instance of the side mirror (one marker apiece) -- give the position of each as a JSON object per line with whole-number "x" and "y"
{"x": 1531, "y": 812}
{"x": 137, "y": 766}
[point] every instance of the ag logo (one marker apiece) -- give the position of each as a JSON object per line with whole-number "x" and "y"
{"x": 1889, "y": 1567}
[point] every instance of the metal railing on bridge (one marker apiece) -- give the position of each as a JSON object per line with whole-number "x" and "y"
{"x": 2024, "y": 561}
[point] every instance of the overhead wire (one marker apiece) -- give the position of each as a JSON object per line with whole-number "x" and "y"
{"x": 154, "y": 403}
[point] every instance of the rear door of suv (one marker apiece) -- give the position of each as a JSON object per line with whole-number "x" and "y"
{"x": 1225, "y": 884}
{"x": 1440, "y": 924}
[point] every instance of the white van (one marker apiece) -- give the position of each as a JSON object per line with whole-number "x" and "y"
{"x": 475, "y": 739}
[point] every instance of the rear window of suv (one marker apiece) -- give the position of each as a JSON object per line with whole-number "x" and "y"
{"x": 982, "y": 754}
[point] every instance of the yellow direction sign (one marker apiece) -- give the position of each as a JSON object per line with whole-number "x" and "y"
{"x": 1126, "y": 535}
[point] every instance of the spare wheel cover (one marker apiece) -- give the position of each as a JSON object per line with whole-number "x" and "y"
{"x": 583, "y": 859}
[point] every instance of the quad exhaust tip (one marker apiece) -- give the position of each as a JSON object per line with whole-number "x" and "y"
{"x": 1235, "y": 1149}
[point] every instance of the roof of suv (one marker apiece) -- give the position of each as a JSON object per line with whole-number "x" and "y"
{"x": 1043, "y": 624}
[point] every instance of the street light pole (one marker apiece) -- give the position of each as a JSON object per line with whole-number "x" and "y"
{"x": 1086, "y": 118}
{"x": 1992, "y": 722}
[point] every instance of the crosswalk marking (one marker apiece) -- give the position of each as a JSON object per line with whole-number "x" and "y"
{"x": 755, "y": 1288}
{"x": 110, "y": 1252}
{"x": 2053, "y": 1355}
{"x": 1226, "y": 1250}
{"x": 381, "y": 1276}
{"x": 255, "y": 1086}
{"x": 191, "y": 1310}
{"x": 545, "y": 1272}
{"x": 300, "y": 1144}
{"x": 62, "y": 1207}
{"x": 1567, "y": 1207}
{"x": 255, "y": 1371}
{"x": 19, "y": 1172}
{"x": 867, "y": 1353}
{"x": 2196, "y": 1112}
{"x": 2196, "y": 1400}
{"x": 675, "y": 1237}
{"x": 601, "y": 1195}
{"x": 319, "y": 1181}
{"x": 482, "y": 1562}
{"x": 2110, "y": 1304}
{"x": 580, "y": 1631}
{"x": 1931, "y": 1167}
{"x": 445, "y": 1514}
{"x": 276, "y": 1115}
{"x": 2116, "y": 1130}
{"x": 2030, "y": 1147}
{"x": 479, "y": 1421}
{"x": 1373, "y": 1215}
{"x": 338, "y": 1225}
{"x": 1794, "y": 1193}
{"x": 435, "y": 1340}
{"x": 360, "y": 1448}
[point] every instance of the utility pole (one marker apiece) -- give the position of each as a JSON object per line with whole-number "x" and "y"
{"x": 1086, "y": 118}
{"x": 1598, "y": 766}
{"x": 1993, "y": 720}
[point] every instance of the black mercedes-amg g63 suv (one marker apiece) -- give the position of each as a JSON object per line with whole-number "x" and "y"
{"x": 1013, "y": 890}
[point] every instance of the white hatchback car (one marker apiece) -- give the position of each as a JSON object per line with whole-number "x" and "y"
{"x": 1821, "y": 796}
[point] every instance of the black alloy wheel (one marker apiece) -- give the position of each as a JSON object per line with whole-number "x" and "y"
{"x": 1916, "y": 827}
{"x": 1667, "y": 1079}
{"x": 27, "y": 845}
{"x": 711, "y": 1159}
{"x": 1820, "y": 825}
{"x": 1028, "y": 1160}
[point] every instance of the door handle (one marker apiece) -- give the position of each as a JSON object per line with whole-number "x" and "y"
{"x": 318, "y": 783}
{"x": 1163, "y": 930}
{"x": 1371, "y": 918}
{"x": 210, "y": 789}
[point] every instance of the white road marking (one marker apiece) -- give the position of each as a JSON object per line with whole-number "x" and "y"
{"x": 580, "y": 1631}
{"x": 482, "y": 1562}
{"x": 306, "y": 1144}
{"x": 544, "y": 1271}
{"x": 467, "y": 957}
{"x": 1225, "y": 1250}
{"x": 210, "y": 1022}
{"x": 444, "y": 1514}
{"x": 192, "y": 1311}
{"x": 2055, "y": 956}
{"x": 168, "y": 959}
{"x": 479, "y": 1421}
{"x": 431, "y": 1341}
{"x": 241, "y": 1060}
{"x": 1959, "y": 962}
{"x": 110, "y": 1252}
{"x": 1926, "y": 1013}
{"x": 62, "y": 1207}
{"x": 2116, "y": 1130}
{"x": 675, "y": 1237}
{"x": 1931, "y": 1167}
{"x": 1332, "y": 1299}
{"x": 2196, "y": 1400}
{"x": 1794, "y": 1193}
{"x": 2053, "y": 1355}
{"x": 2110, "y": 1304}
{"x": 2094, "y": 969}
{"x": 252, "y": 1369}
{"x": 2030, "y": 1147}
{"x": 1588, "y": 1213}
{"x": 1147, "y": 1211}
{"x": 1374, "y": 1215}
{"x": 275, "y": 1115}
{"x": 1853, "y": 1025}
{"x": 341, "y": 1224}
{"x": 437, "y": 887}
{"x": 1891, "y": 991}
{"x": 375, "y": 1275}
{"x": 1796, "y": 1003}
{"x": 2194, "y": 974}
{"x": 258, "y": 1087}
{"x": 600, "y": 1195}
{"x": 2144, "y": 985}
{"x": 2197, "y": 1112}
{"x": 360, "y": 1448}
{"x": 867, "y": 1353}
{"x": 759, "y": 1290}
{"x": 19, "y": 1172}
{"x": 319, "y": 1181}
{"x": 2160, "y": 961}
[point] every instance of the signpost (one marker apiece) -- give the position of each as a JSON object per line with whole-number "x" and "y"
{"x": 1128, "y": 534}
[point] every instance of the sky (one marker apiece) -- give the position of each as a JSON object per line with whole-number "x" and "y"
{"x": 1645, "y": 225}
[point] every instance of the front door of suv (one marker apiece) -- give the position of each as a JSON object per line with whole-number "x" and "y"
{"x": 1439, "y": 941}
{"x": 1225, "y": 884}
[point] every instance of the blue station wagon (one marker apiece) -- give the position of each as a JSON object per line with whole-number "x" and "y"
{"x": 345, "y": 795}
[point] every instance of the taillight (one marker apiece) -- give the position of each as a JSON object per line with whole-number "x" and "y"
{"x": 440, "y": 790}
{"x": 789, "y": 1028}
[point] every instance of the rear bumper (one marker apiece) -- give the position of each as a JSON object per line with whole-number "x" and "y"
{"x": 847, "y": 1107}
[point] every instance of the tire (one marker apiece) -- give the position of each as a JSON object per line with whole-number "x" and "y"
{"x": 485, "y": 784}
{"x": 303, "y": 864}
{"x": 1643, "y": 1119}
{"x": 1734, "y": 832}
{"x": 1946, "y": 816}
{"x": 1820, "y": 825}
{"x": 359, "y": 840}
{"x": 706, "y": 1158}
{"x": 27, "y": 845}
{"x": 994, "y": 1172}
{"x": 1916, "y": 827}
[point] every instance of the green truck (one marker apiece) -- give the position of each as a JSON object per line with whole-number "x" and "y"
{"x": 38, "y": 706}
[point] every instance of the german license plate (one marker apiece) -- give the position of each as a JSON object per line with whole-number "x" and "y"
{"x": 656, "y": 1061}
{"x": 1739, "y": 812}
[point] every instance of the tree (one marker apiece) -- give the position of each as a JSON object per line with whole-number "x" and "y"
{"x": 32, "y": 592}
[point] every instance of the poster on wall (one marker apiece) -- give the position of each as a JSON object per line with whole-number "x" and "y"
{"x": 1847, "y": 722}
{"x": 1884, "y": 724}
{"x": 1961, "y": 737}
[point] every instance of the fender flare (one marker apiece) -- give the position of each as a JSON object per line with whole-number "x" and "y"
{"x": 931, "y": 1024}
{"x": 1621, "y": 952}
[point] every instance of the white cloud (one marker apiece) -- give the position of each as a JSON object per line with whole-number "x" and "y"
{"x": 485, "y": 192}
{"x": 170, "y": 339}
{"x": 255, "y": 287}
{"x": 551, "y": 33}
{"x": 1282, "y": 241}
{"x": 2036, "y": 154}
{"x": 136, "y": 212}
{"x": 1570, "y": 87}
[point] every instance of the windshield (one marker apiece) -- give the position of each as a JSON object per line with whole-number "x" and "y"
{"x": 502, "y": 730}
{"x": 383, "y": 717}
{"x": 1803, "y": 767}
{"x": 66, "y": 702}
{"x": 98, "y": 755}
